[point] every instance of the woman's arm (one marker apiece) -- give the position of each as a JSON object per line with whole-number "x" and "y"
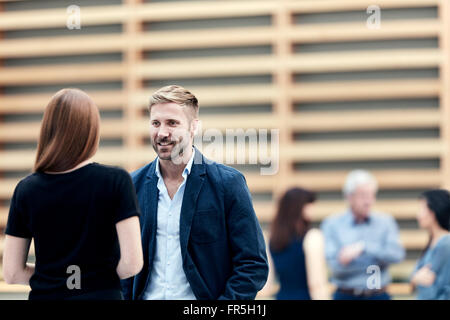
{"x": 316, "y": 268}
{"x": 424, "y": 277}
{"x": 131, "y": 257}
{"x": 16, "y": 270}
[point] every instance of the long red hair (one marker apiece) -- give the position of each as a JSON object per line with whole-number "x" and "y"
{"x": 69, "y": 132}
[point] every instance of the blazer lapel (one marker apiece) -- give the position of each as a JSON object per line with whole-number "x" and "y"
{"x": 194, "y": 184}
{"x": 151, "y": 195}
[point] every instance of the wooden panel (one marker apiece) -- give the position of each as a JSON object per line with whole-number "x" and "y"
{"x": 311, "y": 6}
{"x": 29, "y": 132}
{"x": 444, "y": 43}
{"x": 364, "y": 150}
{"x": 13, "y": 288}
{"x": 190, "y": 10}
{"x": 280, "y": 94}
{"x": 51, "y": 46}
{"x": 358, "y": 31}
{"x": 365, "y": 90}
{"x": 317, "y": 62}
{"x": 400, "y": 209}
{"x": 365, "y": 120}
{"x": 105, "y": 100}
{"x": 61, "y": 74}
{"x": 320, "y": 121}
{"x": 23, "y": 159}
{"x": 334, "y": 180}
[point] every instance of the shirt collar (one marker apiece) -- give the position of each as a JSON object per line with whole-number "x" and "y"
{"x": 186, "y": 171}
{"x": 353, "y": 220}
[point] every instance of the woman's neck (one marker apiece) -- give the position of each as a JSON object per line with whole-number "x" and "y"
{"x": 82, "y": 164}
{"x": 437, "y": 233}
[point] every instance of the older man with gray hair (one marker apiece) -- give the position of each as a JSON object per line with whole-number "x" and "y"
{"x": 360, "y": 244}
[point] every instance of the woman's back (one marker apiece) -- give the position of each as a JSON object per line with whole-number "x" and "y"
{"x": 290, "y": 268}
{"x": 72, "y": 218}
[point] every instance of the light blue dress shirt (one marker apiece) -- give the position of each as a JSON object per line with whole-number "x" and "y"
{"x": 438, "y": 257}
{"x": 168, "y": 280}
{"x": 380, "y": 238}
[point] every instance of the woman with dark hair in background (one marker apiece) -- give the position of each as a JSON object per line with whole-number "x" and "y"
{"x": 82, "y": 216}
{"x": 431, "y": 277}
{"x": 298, "y": 251}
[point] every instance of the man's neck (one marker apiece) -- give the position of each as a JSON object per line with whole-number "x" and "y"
{"x": 359, "y": 218}
{"x": 174, "y": 171}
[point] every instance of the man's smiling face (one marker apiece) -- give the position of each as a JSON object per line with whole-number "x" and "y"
{"x": 171, "y": 130}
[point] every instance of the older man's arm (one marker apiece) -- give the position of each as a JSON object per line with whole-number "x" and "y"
{"x": 388, "y": 250}
{"x": 333, "y": 251}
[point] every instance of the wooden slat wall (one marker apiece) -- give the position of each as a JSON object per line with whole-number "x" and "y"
{"x": 229, "y": 106}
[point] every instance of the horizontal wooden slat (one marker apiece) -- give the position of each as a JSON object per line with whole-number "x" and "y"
{"x": 29, "y": 132}
{"x": 236, "y": 95}
{"x": 363, "y": 60}
{"x": 246, "y": 94}
{"x": 334, "y": 180}
{"x": 147, "y": 12}
{"x": 312, "y": 6}
{"x": 317, "y": 62}
{"x": 51, "y": 46}
{"x": 364, "y": 120}
{"x": 110, "y": 100}
{"x": 304, "y": 122}
{"x": 400, "y": 289}
{"x": 165, "y": 40}
{"x": 3, "y": 215}
{"x": 402, "y": 270}
{"x": 62, "y": 74}
{"x": 54, "y": 18}
{"x": 193, "y": 10}
{"x": 23, "y": 159}
{"x": 105, "y": 100}
{"x": 162, "y": 69}
{"x": 87, "y": 44}
{"x": 394, "y": 289}
{"x": 13, "y": 288}
{"x": 318, "y": 181}
{"x": 350, "y": 31}
{"x": 399, "y": 209}
{"x": 365, "y": 90}
{"x": 414, "y": 239}
{"x": 363, "y": 150}
{"x": 299, "y": 151}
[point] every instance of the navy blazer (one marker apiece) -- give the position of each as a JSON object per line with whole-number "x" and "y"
{"x": 222, "y": 245}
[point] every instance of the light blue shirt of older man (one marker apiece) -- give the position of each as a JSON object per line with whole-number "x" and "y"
{"x": 379, "y": 237}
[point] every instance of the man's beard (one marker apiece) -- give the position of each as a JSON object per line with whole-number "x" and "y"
{"x": 177, "y": 151}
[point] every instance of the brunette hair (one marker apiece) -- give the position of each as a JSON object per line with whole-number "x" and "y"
{"x": 69, "y": 132}
{"x": 289, "y": 221}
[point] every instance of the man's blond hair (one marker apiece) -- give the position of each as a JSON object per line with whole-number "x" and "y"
{"x": 175, "y": 94}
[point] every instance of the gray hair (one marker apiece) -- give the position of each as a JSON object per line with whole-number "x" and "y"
{"x": 356, "y": 178}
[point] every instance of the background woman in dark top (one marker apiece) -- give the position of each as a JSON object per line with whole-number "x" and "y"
{"x": 298, "y": 251}
{"x": 82, "y": 216}
{"x": 431, "y": 276}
